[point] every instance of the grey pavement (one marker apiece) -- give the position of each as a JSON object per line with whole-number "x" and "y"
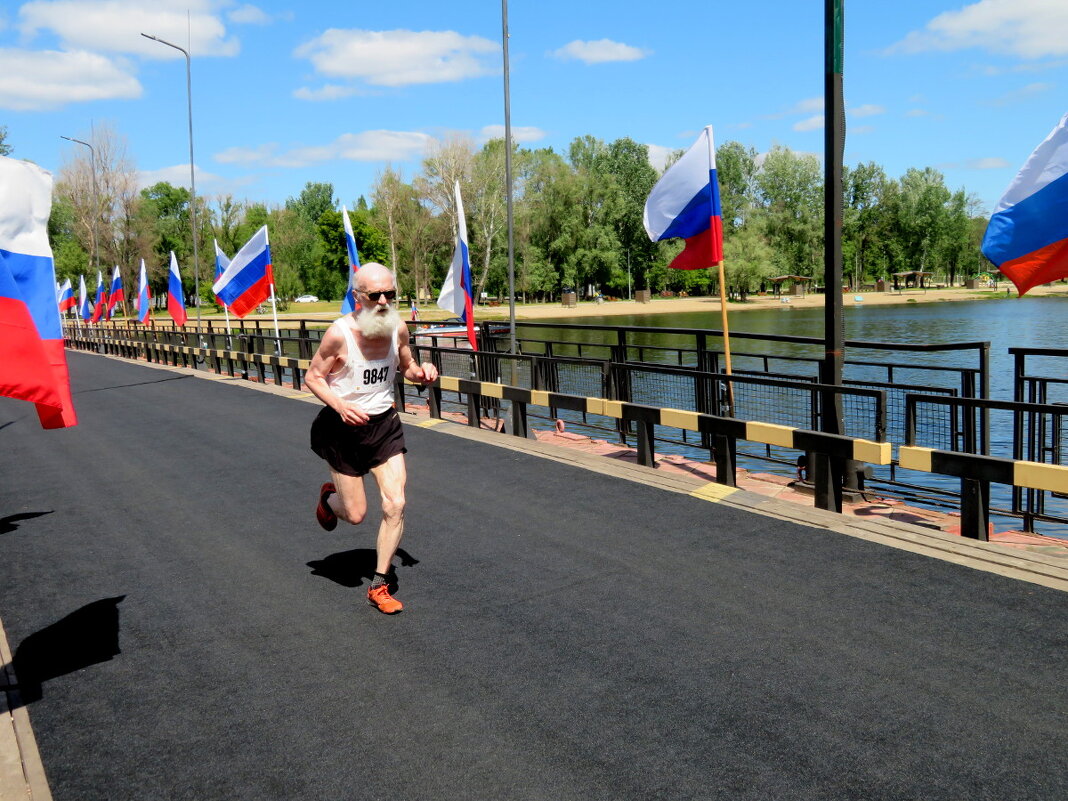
{"x": 180, "y": 628}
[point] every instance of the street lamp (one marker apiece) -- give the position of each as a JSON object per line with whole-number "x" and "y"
{"x": 508, "y": 188}
{"x": 96, "y": 195}
{"x": 192, "y": 178}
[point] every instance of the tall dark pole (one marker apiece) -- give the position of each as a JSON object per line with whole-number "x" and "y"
{"x": 96, "y": 196}
{"x": 192, "y": 172}
{"x": 508, "y": 184}
{"x": 829, "y": 472}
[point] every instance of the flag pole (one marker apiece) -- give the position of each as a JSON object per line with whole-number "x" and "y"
{"x": 722, "y": 298}
{"x": 274, "y": 305}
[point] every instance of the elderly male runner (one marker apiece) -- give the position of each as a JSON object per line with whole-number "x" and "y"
{"x": 359, "y": 431}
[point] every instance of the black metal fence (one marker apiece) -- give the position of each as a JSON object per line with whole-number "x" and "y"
{"x": 768, "y": 384}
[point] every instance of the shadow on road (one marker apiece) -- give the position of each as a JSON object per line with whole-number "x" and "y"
{"x": 10, "y": 523}
{"x": 84, "y": 637}
{"x": 134, "y": 384}
{"x": 352, "y": 568}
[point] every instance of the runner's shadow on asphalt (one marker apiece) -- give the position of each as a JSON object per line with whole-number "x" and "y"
{"x": 85, "y": 637}
{"x": 353, "y": 568}
{"x": 10, "y": 523}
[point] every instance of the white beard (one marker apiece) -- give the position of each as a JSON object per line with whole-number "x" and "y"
{"x": 378, "y": 324}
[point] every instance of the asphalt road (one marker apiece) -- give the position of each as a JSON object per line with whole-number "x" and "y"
{"x": 184, "y": 630}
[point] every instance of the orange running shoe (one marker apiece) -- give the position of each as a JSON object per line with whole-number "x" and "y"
{"x": 379, "y": 597}
{"x": 323, "y": 513}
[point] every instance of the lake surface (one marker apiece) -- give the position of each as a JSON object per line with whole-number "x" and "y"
{"x": 1040, "y": 322}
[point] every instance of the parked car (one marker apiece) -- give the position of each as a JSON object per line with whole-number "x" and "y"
{"x": 306, "y": 299}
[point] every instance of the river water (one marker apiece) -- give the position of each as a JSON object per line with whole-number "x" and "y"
{"x": 1040, "y": 322}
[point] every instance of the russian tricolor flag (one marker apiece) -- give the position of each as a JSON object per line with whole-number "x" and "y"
{"x": 348, "y": 303}
{"x": 222, "y": 261}
{"x": 144, "y": 296}
{"x": 457, "y": 294}
{"x": 1027, "y": 236}
{"x": 685, "y": 203}
{"x": 101, "y": 299}
{"x": 33, "y": 365}
{"x": 249, "y": 280}
{"x": 175, "y": 296}
{"x": 85, "y": 308}
{"x": 117, "y": 295}
{"x": 66, "y": 297}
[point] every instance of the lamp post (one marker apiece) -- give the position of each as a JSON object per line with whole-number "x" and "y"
{"x": 96, "y": 195}
{"x": 508, "y": 182}
{"x": 192, "y": 177}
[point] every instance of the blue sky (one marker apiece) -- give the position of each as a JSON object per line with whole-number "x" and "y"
{"x": 288, "y": 92}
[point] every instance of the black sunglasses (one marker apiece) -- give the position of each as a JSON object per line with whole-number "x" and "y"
{"x": 391, "y": 294}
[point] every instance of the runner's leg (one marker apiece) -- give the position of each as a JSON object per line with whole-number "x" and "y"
{"x": 391, "y": 477}
{"x": 350, "y": 501}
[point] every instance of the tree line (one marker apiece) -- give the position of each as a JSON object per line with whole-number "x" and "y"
{"x": 577, "y": 223}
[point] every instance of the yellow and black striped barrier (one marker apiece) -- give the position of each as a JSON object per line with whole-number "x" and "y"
{"x": 1015, "y": 472}
{"x": 165, "y": 352}
{"x": 834, "y": 445}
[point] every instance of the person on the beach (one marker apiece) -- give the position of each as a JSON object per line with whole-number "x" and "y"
{"x": 359, "y": 431}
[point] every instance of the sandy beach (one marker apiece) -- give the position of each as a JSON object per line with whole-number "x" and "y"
{"x": 704, "y": 304}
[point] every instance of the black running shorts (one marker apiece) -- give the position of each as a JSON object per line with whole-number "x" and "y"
{"x": 354, "y": 450}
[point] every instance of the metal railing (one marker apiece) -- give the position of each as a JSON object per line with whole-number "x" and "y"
{"x": 780, "y": 389}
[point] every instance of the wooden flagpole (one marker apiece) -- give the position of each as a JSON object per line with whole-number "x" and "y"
{"x": 722, "y": 292}
{"x": 274, "y": 306}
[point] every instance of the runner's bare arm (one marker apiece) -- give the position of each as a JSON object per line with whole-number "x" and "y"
{"x": 425, "y": 373}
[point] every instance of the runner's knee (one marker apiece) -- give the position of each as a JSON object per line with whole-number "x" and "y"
{"x": 393, "y": 507}
{"x": 351, "y": 512}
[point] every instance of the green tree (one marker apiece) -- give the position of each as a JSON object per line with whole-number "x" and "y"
{"x": 748, "y": 260}
{"x": 297, "y": 257}
{"x": 736, "y": 172}
{"x": 5, "y": 148}
{"x": 790, "y": 189}
{"x": 314, "y": 201}
{"x": 863, "y": 208}
{"x": 627, "y": 162}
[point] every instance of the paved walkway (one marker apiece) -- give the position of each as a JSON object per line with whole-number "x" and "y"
{"x": 578, "y": 627}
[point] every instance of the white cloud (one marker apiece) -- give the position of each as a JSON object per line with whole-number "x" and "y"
{"x": 178, "y": 175}
{"x": 46, "y": 79}
{"x": 810, "y": 105}
{"x": 116, "y": 26}
{"x": 248, "y": 15}
{"x": 366, "y": 146}
{"x": 862, "y": 129}
{"x": 330, "y": 91}
{"x": 811, "y": 124}
{"x": 917, "y": 112}
{"x": 1020, "y": 95}
{"x": 599, "y": 52}
{"x": 987, "y": 164}
{"x": 1024, "y": 28}
{"x": 400, "y": 58}
{"x": 520, "y": 133}
{"x": 867, "y": 110}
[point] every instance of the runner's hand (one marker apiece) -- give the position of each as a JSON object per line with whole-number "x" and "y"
{"x": 353, "y": 415}
{"x": 425, "y": 374}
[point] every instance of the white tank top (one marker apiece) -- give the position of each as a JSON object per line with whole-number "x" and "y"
{"x": 367, "y": 382}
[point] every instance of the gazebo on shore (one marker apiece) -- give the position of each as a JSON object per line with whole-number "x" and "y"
{"x": 798, "y": 284}
{"x": 911, "y": 276}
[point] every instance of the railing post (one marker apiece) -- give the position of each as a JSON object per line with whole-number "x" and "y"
{"x": 519, "y": 419}
{"x": 434, "y": 401}
{"x": 646, "y": 455}
{"x": 975, "y": 509}
{"x": 827, "y": 481}
{"x": 726, "y": 456}
{"x": 474, "y": 419}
